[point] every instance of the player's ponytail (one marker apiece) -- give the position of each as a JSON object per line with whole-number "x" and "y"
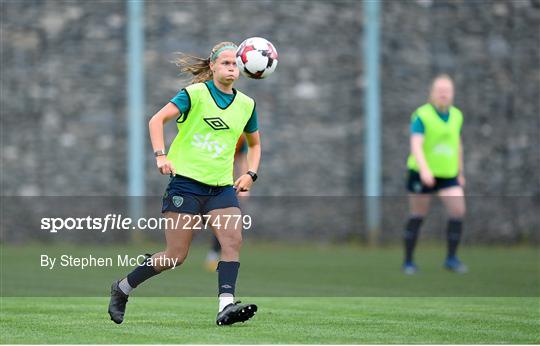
{"x": 200, "y": 67}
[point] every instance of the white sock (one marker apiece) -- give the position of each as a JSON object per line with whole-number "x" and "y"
{"x": 124, "y": 286}
{"x": 224, "y": 300}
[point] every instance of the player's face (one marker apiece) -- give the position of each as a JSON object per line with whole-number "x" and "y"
{"x": 224, "y": 68}
{"x": 442, "y": 93}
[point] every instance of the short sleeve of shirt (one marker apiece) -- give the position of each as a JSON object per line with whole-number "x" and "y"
{"x": 252, "y": 124}
{"x": 417, "y": 126}
{"x": 182, "y": 101}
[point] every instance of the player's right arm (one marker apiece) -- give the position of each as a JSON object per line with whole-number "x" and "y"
{"x": 417, "y": 142}
{"x": 155, "y": 125}
{"x": 417, "y": 149}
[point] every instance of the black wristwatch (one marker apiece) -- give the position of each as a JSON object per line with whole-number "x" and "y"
{"x": 252, "y": 174}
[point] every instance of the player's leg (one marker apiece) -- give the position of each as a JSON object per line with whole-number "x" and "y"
{"x": 226, "y": 223}
{"x": 178, "y": 236}
{"x": 419, "y": 200}
{"x": 418, "y": 209}
{"x": 454, "y": 202}
{"x": 228, "y": 234}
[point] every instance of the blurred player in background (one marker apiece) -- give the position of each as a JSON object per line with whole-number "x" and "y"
{"x": 211, "y": 116}
{"x": 436, "y": 167}
{"x": 240, "y": 166}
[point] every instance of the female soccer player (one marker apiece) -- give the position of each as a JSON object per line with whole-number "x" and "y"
{"x": 211, "y": 115}
{"x": 436, "y": 166}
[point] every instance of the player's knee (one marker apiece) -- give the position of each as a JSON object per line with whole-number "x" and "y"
{"x": 458, "y": 213}
{"x": 231, "y": 244}
{"x": 175, "y": 258}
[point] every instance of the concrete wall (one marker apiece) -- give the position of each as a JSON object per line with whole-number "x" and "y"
{"x": 64, "y": 94}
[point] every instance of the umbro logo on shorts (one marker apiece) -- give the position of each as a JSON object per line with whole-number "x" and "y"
{"x": 216, "y": 123}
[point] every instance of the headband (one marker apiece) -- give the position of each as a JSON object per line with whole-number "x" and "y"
{"x": 214, "y": 55}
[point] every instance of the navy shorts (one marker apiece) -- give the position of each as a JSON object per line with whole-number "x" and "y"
{"x": 188, "y": 196}
{"x": 415, "y": 185}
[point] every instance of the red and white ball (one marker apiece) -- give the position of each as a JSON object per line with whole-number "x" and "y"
{"x": 256, "y": 58}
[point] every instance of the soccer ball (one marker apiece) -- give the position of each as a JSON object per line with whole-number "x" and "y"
{"x": 256, "y": 58}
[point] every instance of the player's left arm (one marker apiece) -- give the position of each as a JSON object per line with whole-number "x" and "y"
{"x": 461, "y": 169}
{"x": 461, "y": 175}
{"x": 244, "y": 182}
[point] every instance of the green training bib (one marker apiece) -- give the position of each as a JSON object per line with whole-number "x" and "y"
{"x": 441, "y": 141}
{"x": 204, "y": 147}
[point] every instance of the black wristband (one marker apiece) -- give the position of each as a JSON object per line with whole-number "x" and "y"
{"x": 253, "y": 175}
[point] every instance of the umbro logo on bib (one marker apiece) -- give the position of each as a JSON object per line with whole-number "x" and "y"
{"x": 216, "y": 123}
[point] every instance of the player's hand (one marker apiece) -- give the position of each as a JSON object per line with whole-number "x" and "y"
{"x": 243, "y": 184}
{"x": 164, "y": 165}
{"x": 461, "y": 180}
{"x": 427, "y": 178}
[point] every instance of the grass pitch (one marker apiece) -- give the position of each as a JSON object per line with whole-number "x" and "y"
{"x": 306, "y": 294}
{"x": 279, "y": 320}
